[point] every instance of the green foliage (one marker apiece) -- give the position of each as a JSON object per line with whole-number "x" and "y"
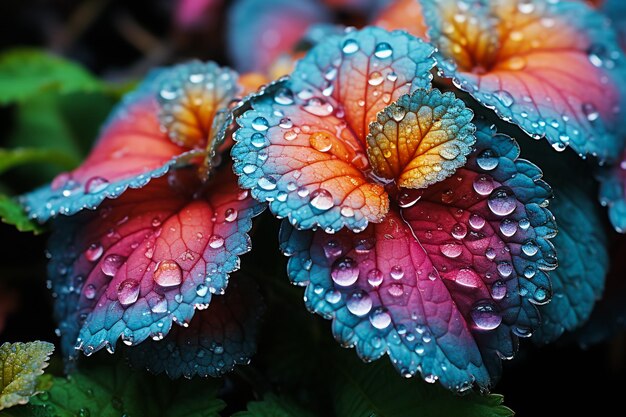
{"x": 21, "y": 364}
{"x": 377, "y": 390}
{"x": 273, "y": 406}
{"x": 25, "y": 73}
{"x": 115, "y": 390}
{"x": 11, "y": 213}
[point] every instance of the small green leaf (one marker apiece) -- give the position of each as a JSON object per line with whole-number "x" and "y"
{"x": 273, "y": 406}
{"x": 11, "y": 213}
{"x": 112, "y": 391}
{"x": 10, "y": 158}
{"x": 25, "y": 73}
{"x": 20, "y": 366}
{"x": 377, "y": 390}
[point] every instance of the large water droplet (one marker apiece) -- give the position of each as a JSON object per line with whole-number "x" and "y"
{"x": 159, "y": 305}
{"x": 396, "y": 290}
{"x": 345, "y": 272}
{"x": 487, "y": 160}
{"x": 375, "y": 277}
{"x": 508, "y": 227}
{"x": 90, "y": 291}
{"x": 321, "y": 199}
{"x": 396, "y": 272}
{"x": 267, "y": 183}
{"x": 96, "y": 184}
{"x": 486, "y": 316}
{"x": 216, "y": 241}
{"x": 318, "y": 107}
{"x": 483, "y": 184}
{"x": 168, "y": 274}
{"x": 284, "y": 97}
{"x": 94, "y": 252}
{"x": 383, "y": 50}
{"x": 258, "y": 140}
{"x": 590, "y": 111}
{"x": 321, "y": 141}
{"x": 498, "y": 290}
{"x": 505, "y": 269}
{"x": 476, "y": 221}
{"x": 380, "y": 318}
{"x": 359, "y": 303}
{"x": 530, "y": 248}
{"x": 467, "y": 278}
{"x": 451, "y": 250}
{"x": 502, "y": 201}
{"x": 350, "y": 46}
{"x": 128, "y": 292}
{"x": 375, "y": 78}
{"x": 230, "y": 215}
{"x": 260, "y": 124}
{"x": 111, "y": 264}
{"x": 332, "y": 296}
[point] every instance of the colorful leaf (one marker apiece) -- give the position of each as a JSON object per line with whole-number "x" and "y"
{"x": 135, "y": 147}
{"x": 12, "y": 213}
{"x": 527, "y": 60}
{"x": 148, "y": 258}
{"x": 449, "y": 279}
{"x": 261, "y": 30}
{"x": 21, "y": 364}
{"x": 420, "y": 139}
{"x": 403, "y": 14}
{"x": 613, "y": 192}
{"x": 301, "y": 146}
{"x": 218, "y": 338}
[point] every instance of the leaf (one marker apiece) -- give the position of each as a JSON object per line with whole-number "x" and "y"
{"x": 111, "y": 391}
{"x": 10, "y": 158}
{"x": 11, "y": 213}
{"x": 21, "y": 364}
{"x": 363, "y": 390}
{"x": 274, "y": 406}
{"x": 25, "y": 73}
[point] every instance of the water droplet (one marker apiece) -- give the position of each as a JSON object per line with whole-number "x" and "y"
{"x": 508, "y": 227}
{"x": 490, "y": 253}
{"x": 383, "y": 50}
{"x": 285, "y": 123}
{"x": 505, "y": 269}
{"x": 249, "y": 169}
{"x": 476, "y": 221}
{"x": 451, "y": 250}
{"x": 333, "y": 296}
{"x": 409, "y": 197}
{"x": 267, "y": 183}
{"x": 230, "y": 215}
{"x": 483, "y": 184}
{"x": 90, "y": 291}
{"x": 392, "y": 76}
{"x": 364, "y": 245}
{"x": 159, "y": 306}
{"x": 449, "y": 151}
{"x": 350, "y": 46}
{"x": 397, "y": 112}
{"x": 396, "y": 272}
{"x": 332, "y": 249}
{"x": 290, "y": 135}
{"x": 258, "y": 140}
{"x": 284, "y": 97}
{"x": 111, "y": 264}
{"x": 94, "y": 252}
{"x": 485, "y": 315}
{"x": 590, "y": 111}
{"x": 467, "y": 278}
{"x": 168, "y": 274}
{"x": 502, "y": 201}
{"x": 541, "y": 295}
{"x": 303, "y": 191}
{"x": 216, "y": 241}
{"x": 375, "y": 78}
{"x": 260, "y": 124}
{"x": 498, "y": 290}
{"x": 487, "y": 160}
{"x": 345, "y": 272}
{"x": 505, "y": 97}
{"x": 530, "y": 248}
{"x": 96, "y": 184}
{"x": 202, "y": 290}
{"x": 318, "y": 107}
{"x": 375, "y": 277}
{"x": 524, "y": 223}
{"x": 321, "y": 199}
{"x": 529, "y": 271}
{"x": 359, "y": 303}
{"x": 321, "y": 141}
{"x": 128, "y": 292}
{"x": 396, "y": 290}
{"x": 380, "y": 318}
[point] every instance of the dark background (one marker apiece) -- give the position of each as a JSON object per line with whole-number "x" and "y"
{"x": 119, "y": 41}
